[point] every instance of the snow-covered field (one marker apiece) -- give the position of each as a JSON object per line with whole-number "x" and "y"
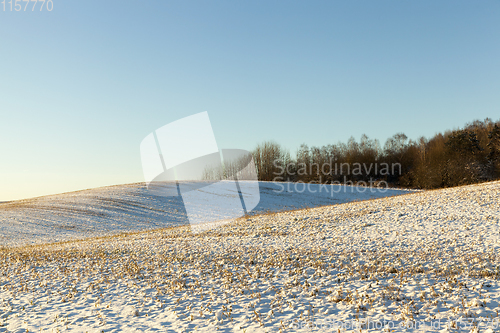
{"x": 424, "y": 261}
{"x": 132, "y": 207}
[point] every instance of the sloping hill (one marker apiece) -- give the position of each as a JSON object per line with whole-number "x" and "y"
{"x": 426, "y": 261}
{"x": 132, "y": 207}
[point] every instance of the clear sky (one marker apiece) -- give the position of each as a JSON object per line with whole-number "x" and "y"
{"x": 82, "y": 85}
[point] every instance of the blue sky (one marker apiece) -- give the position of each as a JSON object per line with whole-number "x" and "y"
{"x": 82, "y": 85}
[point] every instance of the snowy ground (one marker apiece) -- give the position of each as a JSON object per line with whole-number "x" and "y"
{"x": 126, "y": 208}
{"x": 425, "y": 259}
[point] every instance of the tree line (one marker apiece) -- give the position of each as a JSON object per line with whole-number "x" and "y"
{"x": 458, "y": 157}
